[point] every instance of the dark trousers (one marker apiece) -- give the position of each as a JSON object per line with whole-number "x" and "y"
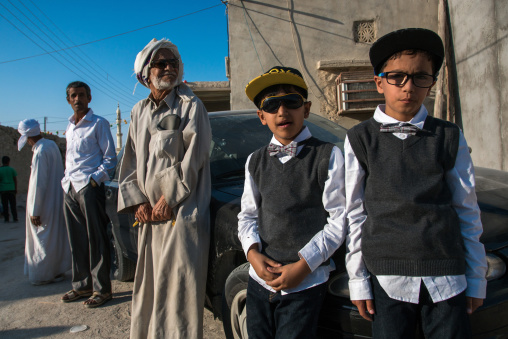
{"x": 87, "y": 222}
{"x": 273, "y": 315}
{"x": 9, "y": 198}
{"x": 398, "y": 319}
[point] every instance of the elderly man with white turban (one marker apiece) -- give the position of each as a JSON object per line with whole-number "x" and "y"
{"x": 47, "y": 253}
{"x": 165, "y": 181}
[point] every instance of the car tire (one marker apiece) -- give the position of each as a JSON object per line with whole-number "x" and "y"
{"x": 233, "y": 303}
{"x": 125, "y": 268}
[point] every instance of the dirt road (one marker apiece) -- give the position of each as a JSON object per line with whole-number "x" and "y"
{"x": 28, "y": 311}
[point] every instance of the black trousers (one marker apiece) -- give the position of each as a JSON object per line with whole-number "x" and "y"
{"x": 446, "y": 319}
{"x": 277, "y": 316}
{"x": 9, "y": 198}
{"x": 87, "y": 222}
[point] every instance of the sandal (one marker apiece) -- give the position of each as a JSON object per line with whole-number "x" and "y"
{"x": 97, "y": 299}
{"x": 74, "y": 295}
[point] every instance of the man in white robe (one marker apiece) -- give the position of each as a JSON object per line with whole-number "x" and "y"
{"x": 47, "y": 253}
{"x": 165, "y": 181}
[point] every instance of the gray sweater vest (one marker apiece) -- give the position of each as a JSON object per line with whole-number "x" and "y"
{"x": 291, "y": 210}
{"x": 412, "y": 228}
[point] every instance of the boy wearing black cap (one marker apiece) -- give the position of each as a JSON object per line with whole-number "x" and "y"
{"x": 293, "y": 212}
{"x": 414, "y": 223}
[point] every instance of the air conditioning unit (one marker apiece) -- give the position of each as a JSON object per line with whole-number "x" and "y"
{"x": 357, "y": 93}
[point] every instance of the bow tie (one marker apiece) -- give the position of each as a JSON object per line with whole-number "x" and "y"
{"x": 290, "y": 149}
{"x": 399, "y": 128}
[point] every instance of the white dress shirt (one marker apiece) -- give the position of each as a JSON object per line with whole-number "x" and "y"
{"x": 90, "y": 152}
{"x": 324, "y": 243}
{"x": 462, "y": 185}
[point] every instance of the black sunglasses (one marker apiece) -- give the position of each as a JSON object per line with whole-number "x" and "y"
{"x": 163, "y": 63}
{"x": 291, "y": 101}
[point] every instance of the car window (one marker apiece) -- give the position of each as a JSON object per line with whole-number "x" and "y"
{"x": 236, "y": 136}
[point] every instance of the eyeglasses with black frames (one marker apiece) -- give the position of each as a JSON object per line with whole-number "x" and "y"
{"x": 163, "y": 63}
{"x": 290, "y": 100}
{"x": 421, "y": 80}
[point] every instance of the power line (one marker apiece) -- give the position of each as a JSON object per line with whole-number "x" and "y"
{"x": 110, "y": 37}
{"x": 73, "y": 51}
{"x": 56, "y": 59}
{"x": 112, "y": 89}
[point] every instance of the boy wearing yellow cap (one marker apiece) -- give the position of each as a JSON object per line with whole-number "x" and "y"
{"x": 293, "y": 212}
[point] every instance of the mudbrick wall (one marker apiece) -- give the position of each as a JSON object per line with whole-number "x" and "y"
{"x": 22, "y": 160}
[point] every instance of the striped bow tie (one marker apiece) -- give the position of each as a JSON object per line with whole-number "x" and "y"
{"x": 399, "y": 128}
{"x": 290, "y": 149}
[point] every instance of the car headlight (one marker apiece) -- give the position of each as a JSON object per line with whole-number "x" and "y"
{"x": 339, "y": 285}
{"x": 496, "y": 267}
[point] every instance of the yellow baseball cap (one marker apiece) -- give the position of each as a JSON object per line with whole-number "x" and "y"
{"x": 275, "y": 76}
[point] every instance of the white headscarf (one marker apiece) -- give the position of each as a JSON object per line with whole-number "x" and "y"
{"x": 143, "y": 59}
{"x": 27, "y": 128}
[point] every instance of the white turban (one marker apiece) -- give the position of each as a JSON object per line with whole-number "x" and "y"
{"x": 27, "y": 128}
{"x": 143, "y": 59}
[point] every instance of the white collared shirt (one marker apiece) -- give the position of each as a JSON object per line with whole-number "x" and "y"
{"x": 462, "y": 185}
{"x": 90, "y": 152}
{"x": 324, "y": 243}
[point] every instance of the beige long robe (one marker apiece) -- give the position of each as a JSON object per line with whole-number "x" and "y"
{"x": 169, "y": 286}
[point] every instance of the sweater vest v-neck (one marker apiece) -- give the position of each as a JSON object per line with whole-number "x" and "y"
{"x": 411, "y": 228}
{"x": 291, "y": 207}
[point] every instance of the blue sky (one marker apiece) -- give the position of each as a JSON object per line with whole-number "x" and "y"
{"x": 35, "y": 87}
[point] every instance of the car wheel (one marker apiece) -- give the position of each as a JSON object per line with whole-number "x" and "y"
{"x": 125, "y": 268}
{"x": 234, "y": 314}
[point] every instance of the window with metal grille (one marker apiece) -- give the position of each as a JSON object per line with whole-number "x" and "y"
{"x": 357, "y": 93}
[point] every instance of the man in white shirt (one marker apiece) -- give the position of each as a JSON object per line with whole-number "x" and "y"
{"x": 90, "y": 160}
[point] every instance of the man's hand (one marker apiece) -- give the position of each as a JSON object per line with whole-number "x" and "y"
{"x": 161, "y": 210}
{"x": 289, "y": 276}
{"x": 144, "y": 213}
{"x": 261, "y": 263}
{"x": 365, "y": 307}
{"x": 472, "y": 304}
{"x": 36, "y": 220}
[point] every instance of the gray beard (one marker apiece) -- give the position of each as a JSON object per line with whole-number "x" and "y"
{"x": 161, "y": 85}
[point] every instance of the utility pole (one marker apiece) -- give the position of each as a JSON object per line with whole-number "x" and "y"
{"x": 118, "y": 130}
{"x": 45, "y": 119}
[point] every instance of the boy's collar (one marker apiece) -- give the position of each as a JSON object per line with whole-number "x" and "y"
{"x": 418, "y": 120}
{"x": 304, "y": 135}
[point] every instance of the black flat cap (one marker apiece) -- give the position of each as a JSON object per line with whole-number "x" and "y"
{"x": 404, "y": 39}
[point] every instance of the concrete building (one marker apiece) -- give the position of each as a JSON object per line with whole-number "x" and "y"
{"x": 322, "y": 39}
{"x": 215, "y": 95}
{"x": 480, "y": 39}
{"x": 329, "y": 40}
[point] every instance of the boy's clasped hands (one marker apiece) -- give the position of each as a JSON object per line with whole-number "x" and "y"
{"x": 278, "y": 276}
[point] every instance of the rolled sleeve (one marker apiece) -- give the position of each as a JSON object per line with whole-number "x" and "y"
{"x": 461, "y": 181}
{"x": 248, "y": 216}
{"x": 105, "y": 140}
{"x": 324, "y": 243}
{"x": 359, "y": 284}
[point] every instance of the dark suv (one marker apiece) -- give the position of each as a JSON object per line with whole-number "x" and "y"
{"x": 236, "y": 134}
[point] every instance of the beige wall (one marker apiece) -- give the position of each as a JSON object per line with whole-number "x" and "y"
{"x": 322, "y": 34}
{"x": 480, "y": 34}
